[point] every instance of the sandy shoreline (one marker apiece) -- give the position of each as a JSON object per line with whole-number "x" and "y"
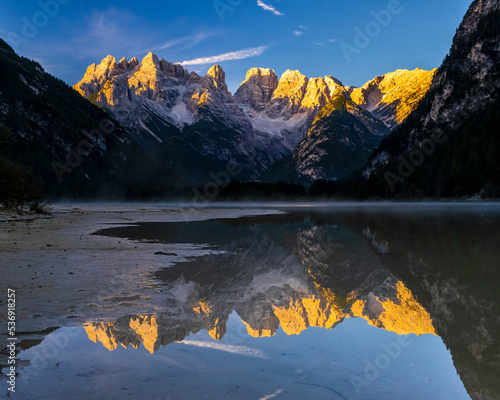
{"x": 64, "y": 275}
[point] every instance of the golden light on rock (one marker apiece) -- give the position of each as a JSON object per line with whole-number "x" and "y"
{"x": 218, "y": 331}
{"x": 400, "y": 313}
{"x": 259, "y": 333}
{"x": 402, "y": 316}
{"x": 399, "y": 91}
{"x": 101, "y": 333}
{"x": 202, "y": 308}
{"x": 146, "y": 328}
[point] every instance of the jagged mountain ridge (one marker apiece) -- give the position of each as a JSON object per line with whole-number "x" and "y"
{"x": 171, "y": 111}
{"x": 184, "y": 120}
{"x": 166, "y": 104}
{"x": 350, "y": 127}
{"x": 284, "y": 107}
{"x": 452, "y": 137}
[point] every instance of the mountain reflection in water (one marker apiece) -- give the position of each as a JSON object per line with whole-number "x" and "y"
{"x": 269, "y": 288}
{"x": 424, "y": 272}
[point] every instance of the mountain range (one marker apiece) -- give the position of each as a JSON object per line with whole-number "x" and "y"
{"x": 165, "y": 107}
{"x": 404, "y": 134}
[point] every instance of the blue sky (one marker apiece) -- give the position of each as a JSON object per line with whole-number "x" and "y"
{"x": 315, "y": 37}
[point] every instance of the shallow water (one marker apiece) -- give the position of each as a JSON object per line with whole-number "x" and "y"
{"x": 389, "y": 302}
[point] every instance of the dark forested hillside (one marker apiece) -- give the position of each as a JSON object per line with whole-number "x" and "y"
{"x": 72, "y": 147}
{"x": 450, "y": 145}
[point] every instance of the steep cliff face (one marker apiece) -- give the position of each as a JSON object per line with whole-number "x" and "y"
{"x": 135, "y": 91}
{"x": 443, "y": 142}
{"x": 346, "y": 124}
{"x": 294, "y": 93}
{"x": 392, "y": 97}
{"x": 288, "y": 96}
{"x": 161, "y": 103}
{"x": 469, "y": 78}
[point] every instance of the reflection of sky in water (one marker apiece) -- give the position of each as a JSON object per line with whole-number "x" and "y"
{"x": 319, "y": 305}
{"x": 319, "y": 363}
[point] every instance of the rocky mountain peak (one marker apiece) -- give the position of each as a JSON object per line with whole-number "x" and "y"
{"x": 108, "y": 61}
{"x": 290, "y": 84}
{"x": 261, "y": 74}
{"x": 265, "y": 113}
{"x": 216, "y": 79}
{"x": 289, "y": 94}
{"x": 173, "y": 70}
{"x": 217, "y": 73}
{"x": 134, "y": 62}
{"x": 123, "y": 64}
{"x": 333, "y": 83}
{"x": 464, "y": 90}
{"x": 97, "y": 75}
{"x": 257, "y": 89}
{"x": 150, "y": 64}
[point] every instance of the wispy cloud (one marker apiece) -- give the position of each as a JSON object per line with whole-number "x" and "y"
{"x": 107, "y": 32}
{"x": 298, "y": 32}
{"x": 319, "y": 43}
{"x": 185, "y": 42}
{"x": 268, "y": 7}
{"x": 334, "y": 40}
{"x": 241, "y": 350}
{"x": 98, "y": 33}
{"x": 235, "y": 55}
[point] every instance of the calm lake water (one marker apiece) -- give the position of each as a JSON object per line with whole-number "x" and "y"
{"x": 393, "y": 302}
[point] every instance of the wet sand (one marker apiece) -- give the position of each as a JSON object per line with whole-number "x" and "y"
{"x": 64, "y": 275}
